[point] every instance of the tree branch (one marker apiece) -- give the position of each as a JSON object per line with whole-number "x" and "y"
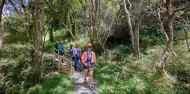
{"x": 179, "y": 9}
{"x": 128, "y": 16}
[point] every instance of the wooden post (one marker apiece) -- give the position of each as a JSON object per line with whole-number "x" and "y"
{"x": 60, "y": 65}
{"x": 60, "y": 59}
{"x": 71, "y": 68}
{"x": 53, "y": 60}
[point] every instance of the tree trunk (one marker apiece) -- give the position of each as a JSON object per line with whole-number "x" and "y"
{"x": 136, "y": 39}
{"x": 187, "y": 41}
{"x": 169, "y": 48}
{"x": 136, "y": 30}
{"x": 2, "y": 2}
{"x": 134, "y": 34}
{"x": 158, "y": 16}
{"x": 41, "y": 34}
{"x": 69, "y": 19}
{"x": 90, "y": 21}
{"x": 51, "y": 35}
{"x": 73, "y": 26}
{"x": 38, "y": 27}
{"x": 185, "y": 31}
{"x": 85, "y": 21}
{"x": 96, "y": 22}
{"x": 130, "y": 26}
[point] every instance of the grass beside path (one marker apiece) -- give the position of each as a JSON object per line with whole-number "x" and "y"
{"x": 54, "y": 85}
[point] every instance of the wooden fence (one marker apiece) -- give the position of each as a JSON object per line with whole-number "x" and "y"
{"x": 66, "y": 67}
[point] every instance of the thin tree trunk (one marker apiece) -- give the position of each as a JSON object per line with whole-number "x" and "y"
{"x": 134, "y": 34}
{"x": 38, "y": 27}
{"x": 35, "y": 17}
{"x": 69, "y": 19}
{"x": 84, "y": 7}
{"x": 136, "y": 30}
{"x": 41, "y": 42}
{"x": 90, "y": 21}
{"x": 96, "y": 22}
{"x": 49, "y": 28}
{"x": 186, "y": 38}
{"x": 185, "y": 31}
{"x": 136, "y": 39}
{"x": 158, "y": 16}
{"x": 51, "y": 35}
{"x": 130, "y": 25}
{"x": 2, "y": 2}
{"x": 73, "y": 26}
{"x": 169, "y": 48}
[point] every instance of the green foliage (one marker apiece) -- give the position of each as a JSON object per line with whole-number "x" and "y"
{"x": 182, "y": 88}
{"x": 61, "y": 14}
{"x": 129, "y": 76}
{"x": 118, "y": 72}
{"x": 18, "y": 70}
{"x": 58, "y": 35}
{"x": 53, "y": 85}
{"x": 150, "y": 36}
{"x": 49, "y": 46}
{"x": 16, "y": 57}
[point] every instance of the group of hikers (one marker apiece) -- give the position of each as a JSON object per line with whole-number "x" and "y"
{"x": 87, "y": 59}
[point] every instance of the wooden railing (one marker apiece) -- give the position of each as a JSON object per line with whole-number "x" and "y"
{"x": 61, "y": 67}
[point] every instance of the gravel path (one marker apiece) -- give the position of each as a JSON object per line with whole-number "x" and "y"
{"x": 83, "y": 88}
{"x": 80, "y": 86}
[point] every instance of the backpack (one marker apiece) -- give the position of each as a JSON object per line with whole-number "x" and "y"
{"x": 70, "y": 51}
{"x": 77, "y": 53}
{"x": 88, "y": 57}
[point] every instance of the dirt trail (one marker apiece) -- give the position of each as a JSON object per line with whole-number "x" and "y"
{"x": 80, "y": 87}
{"x": 83, "y": 88}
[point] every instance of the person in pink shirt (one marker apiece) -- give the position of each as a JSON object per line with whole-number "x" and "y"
{"x": 89, "y": 62}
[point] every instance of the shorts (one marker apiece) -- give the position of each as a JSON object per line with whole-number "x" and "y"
{"x": 90, "y": 66}
{"x": 56, "y": 52}
{"x": 61, "y": 53}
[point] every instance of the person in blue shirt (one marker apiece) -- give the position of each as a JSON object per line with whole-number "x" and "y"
{"x": 70, "y": 51}
{"x": 61, "y": 50}
{"x": 77, "y": 56}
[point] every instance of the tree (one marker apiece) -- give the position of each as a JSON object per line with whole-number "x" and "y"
{"x": 186, "y": 28}
{"x": 62, "y": 15}
{"x": 97, "y": 21}
{"x": 156, "y": 11}
{"x": 169, "y": 47}
{"x": 37, "y": 11}
{"x": 134, "y": 32}
{"x": 2, "y": 2}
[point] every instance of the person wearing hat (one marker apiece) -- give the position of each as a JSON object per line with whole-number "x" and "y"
{"x": 70, "y": 51}
{"x": 89, "y": 62}
{"x": 77, "y": 56}
{"x": 61, "y": 50}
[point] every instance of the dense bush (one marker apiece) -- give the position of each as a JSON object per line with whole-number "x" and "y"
{"x": 18, "y": 71}
{"x": 17, "y": 58}
{"x": 151, "y": 36}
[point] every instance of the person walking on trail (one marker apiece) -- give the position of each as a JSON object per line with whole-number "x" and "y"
{"x": 70, "y": 51}
{"x": 56, "y": 47}
{"x": 61, "y": 50}
{"x": 89, "y": 62}
{"x": 77, "y": 56}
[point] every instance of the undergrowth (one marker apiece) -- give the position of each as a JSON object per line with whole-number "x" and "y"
{"x": 53, "y": 85}
{"x": 130, "y": 76}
